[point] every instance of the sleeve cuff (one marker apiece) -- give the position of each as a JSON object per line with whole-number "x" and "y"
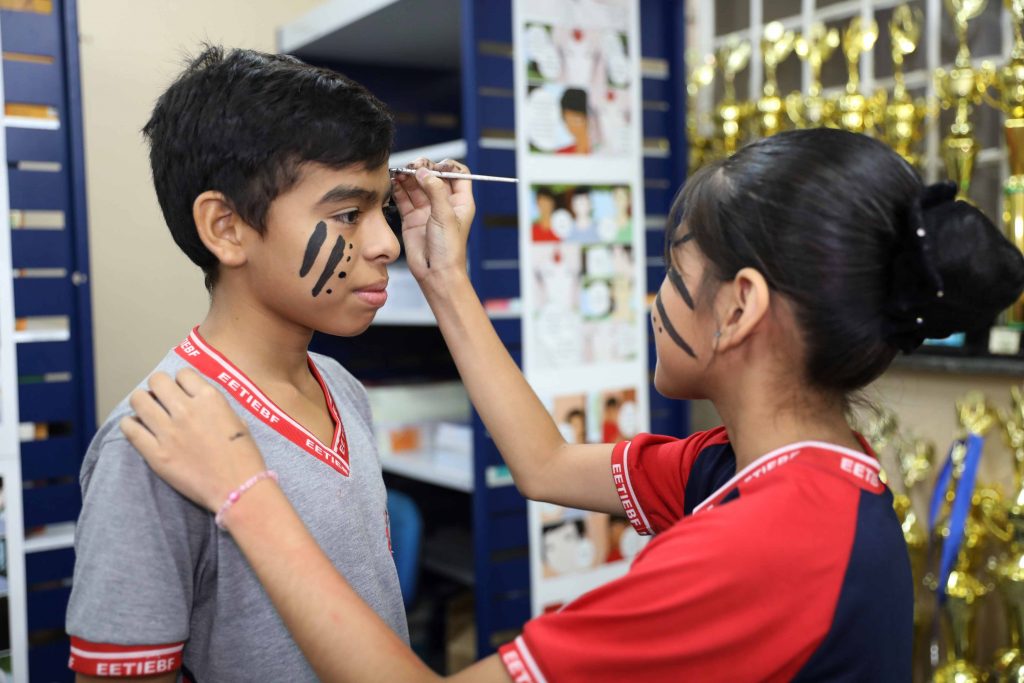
{"x": 121, "y": 661}
{"x": 519, "y": 663}
{"x": 624, "y": 487}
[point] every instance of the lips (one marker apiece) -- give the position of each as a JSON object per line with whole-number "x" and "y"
{"x": 375, "y": 295}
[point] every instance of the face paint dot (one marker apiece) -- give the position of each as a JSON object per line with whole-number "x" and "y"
{"x": 350, "y": 245}
{"x": 329, "y": 291}
{"x": 659, "y": 329}
{"x": 341, "y": 275}
{"x": 348, "y": 258}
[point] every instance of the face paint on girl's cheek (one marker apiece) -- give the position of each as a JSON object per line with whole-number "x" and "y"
{"x": 677, "y": 281}
{"x": 673, "y": 335}
{"x": 316, "y": 241}
{"x": 332, "y": 261}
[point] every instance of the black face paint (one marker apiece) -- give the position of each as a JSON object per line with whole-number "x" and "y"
{"x": 316, "y": 240}
{"x": 236, "y": 435}
{"x": 336, "y": 251}
{"x": 348, "y": 259}
{"x": 673, "y": 335}
{"x": 341, "y": 275}
{"x": 677, "y": 281}
{"x": 330, "y": 291}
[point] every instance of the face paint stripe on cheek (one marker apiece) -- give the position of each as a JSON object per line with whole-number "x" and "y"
{"x": 332, "y": 261}
{"x": 677, "y": 281}
{"x": 673, "y": 335}
{"x": 316, "y": 240}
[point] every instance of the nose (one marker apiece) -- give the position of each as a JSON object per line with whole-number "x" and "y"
{"x": 381, "y": 243}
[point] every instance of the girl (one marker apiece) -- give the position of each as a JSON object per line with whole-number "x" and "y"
{"x": 797, "y": 269}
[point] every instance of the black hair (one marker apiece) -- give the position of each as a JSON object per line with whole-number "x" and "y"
{"x": 543, "y": 191}
{"x": 574, "y": 99}
{"x": 243, "y": 123}
{"x": 575, "y": 412}
{"x": 611, "y": 402}
{"x": 842, "y": 227}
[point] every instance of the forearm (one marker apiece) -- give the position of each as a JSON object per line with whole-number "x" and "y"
{"x": 343, "y": 639}
{"x": 544, "y": 467}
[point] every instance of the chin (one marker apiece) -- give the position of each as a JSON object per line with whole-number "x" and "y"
{"x": 673, "y": 389}
{"x": 348, "y": 328}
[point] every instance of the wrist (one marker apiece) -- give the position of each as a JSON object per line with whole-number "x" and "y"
{"x": 246, "y": 491}
{"x": 442, "y": 285}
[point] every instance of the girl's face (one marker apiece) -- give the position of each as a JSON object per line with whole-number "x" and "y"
{"x": 683, "y": 333}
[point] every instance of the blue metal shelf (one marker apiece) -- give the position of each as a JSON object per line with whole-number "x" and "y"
{"x": 51, "y": 495}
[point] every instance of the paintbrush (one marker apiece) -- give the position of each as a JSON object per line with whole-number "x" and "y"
{"x": 462, "y": 176}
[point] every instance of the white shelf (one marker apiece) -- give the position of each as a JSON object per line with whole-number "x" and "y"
{"x": 30, "y": 336}
{"x": 31, "y": 122}
{"x": 424, "y": 467}
{"x": 55, "y": 537}
{"x": 407, "y": 33}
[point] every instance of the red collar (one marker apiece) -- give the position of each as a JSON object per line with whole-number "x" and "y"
{"x": 861, "y": 469}
{"x": 209, "y": 362}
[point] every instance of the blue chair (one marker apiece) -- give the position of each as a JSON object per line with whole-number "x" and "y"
{"x": 406, "y": 539}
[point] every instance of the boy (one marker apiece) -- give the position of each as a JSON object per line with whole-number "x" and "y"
{"x": 272, "y": 177}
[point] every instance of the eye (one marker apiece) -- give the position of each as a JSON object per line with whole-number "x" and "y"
{"x": 350, "y": 217}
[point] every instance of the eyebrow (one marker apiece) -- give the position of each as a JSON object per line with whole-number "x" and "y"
{"x": 344, "y": 193}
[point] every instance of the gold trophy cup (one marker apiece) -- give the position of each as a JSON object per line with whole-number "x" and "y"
{"x": 776, "y": 45}
{"x": 730, "y": 114}
{"x": 1009, "y": 83}
{"x": 1009, "y": 664}
{"x": 962, "y": 87}
{"x": 855, "y": 112}
{"x": 904, "y": 116}
{"x": 813, "y": 109}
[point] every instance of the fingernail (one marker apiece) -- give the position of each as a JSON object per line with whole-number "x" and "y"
{"x": 422, "y": 172}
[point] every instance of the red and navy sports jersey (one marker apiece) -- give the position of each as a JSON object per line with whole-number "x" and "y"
{"x": 793, "y": 569}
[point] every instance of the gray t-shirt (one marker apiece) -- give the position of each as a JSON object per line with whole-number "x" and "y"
{"x": 152, "y": 570}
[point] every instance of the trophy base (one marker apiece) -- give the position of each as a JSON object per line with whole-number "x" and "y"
{"x": 958, "y": 671}
{"x": 1009, "y": 666}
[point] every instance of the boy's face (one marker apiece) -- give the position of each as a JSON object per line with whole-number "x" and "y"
{"x": 322, "y": 261}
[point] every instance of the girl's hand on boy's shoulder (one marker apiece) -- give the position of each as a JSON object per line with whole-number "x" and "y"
{"x": 436, "y": 216}
{"x": 191, "y": 437}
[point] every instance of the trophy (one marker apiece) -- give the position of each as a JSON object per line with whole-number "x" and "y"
{"x": 853, "y": 111}
{"x": 776, "y": 45}
{"x": 962, "y": 87}
{"x": 699, "y": 78}
{"x": 1009, "y": 83}
{"x": 1010, "y": 571}
{"x": 963, "y": 589}
{"x": 815, "y": 47}
{"x": 730, "y": 113}
{"x": 904, "y": 116}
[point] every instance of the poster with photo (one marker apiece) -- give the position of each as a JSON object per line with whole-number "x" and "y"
{"x": 583, "y": 275}
{"x": 582, "y": 261}
{"x": 580, "y": 77}
{"x": 579, "y": 542}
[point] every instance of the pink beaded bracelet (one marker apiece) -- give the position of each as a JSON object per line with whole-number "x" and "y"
{"x": 237, "y": 493}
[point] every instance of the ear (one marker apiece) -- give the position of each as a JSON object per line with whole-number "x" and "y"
{"x": 220, "y": 228}
{"x": 743, "y": 304}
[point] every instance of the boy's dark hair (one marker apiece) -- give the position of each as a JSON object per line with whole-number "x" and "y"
{"x": 574, "y": 99}
{"x": 839, "y": 224}
{"x": 242, "y": 123}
